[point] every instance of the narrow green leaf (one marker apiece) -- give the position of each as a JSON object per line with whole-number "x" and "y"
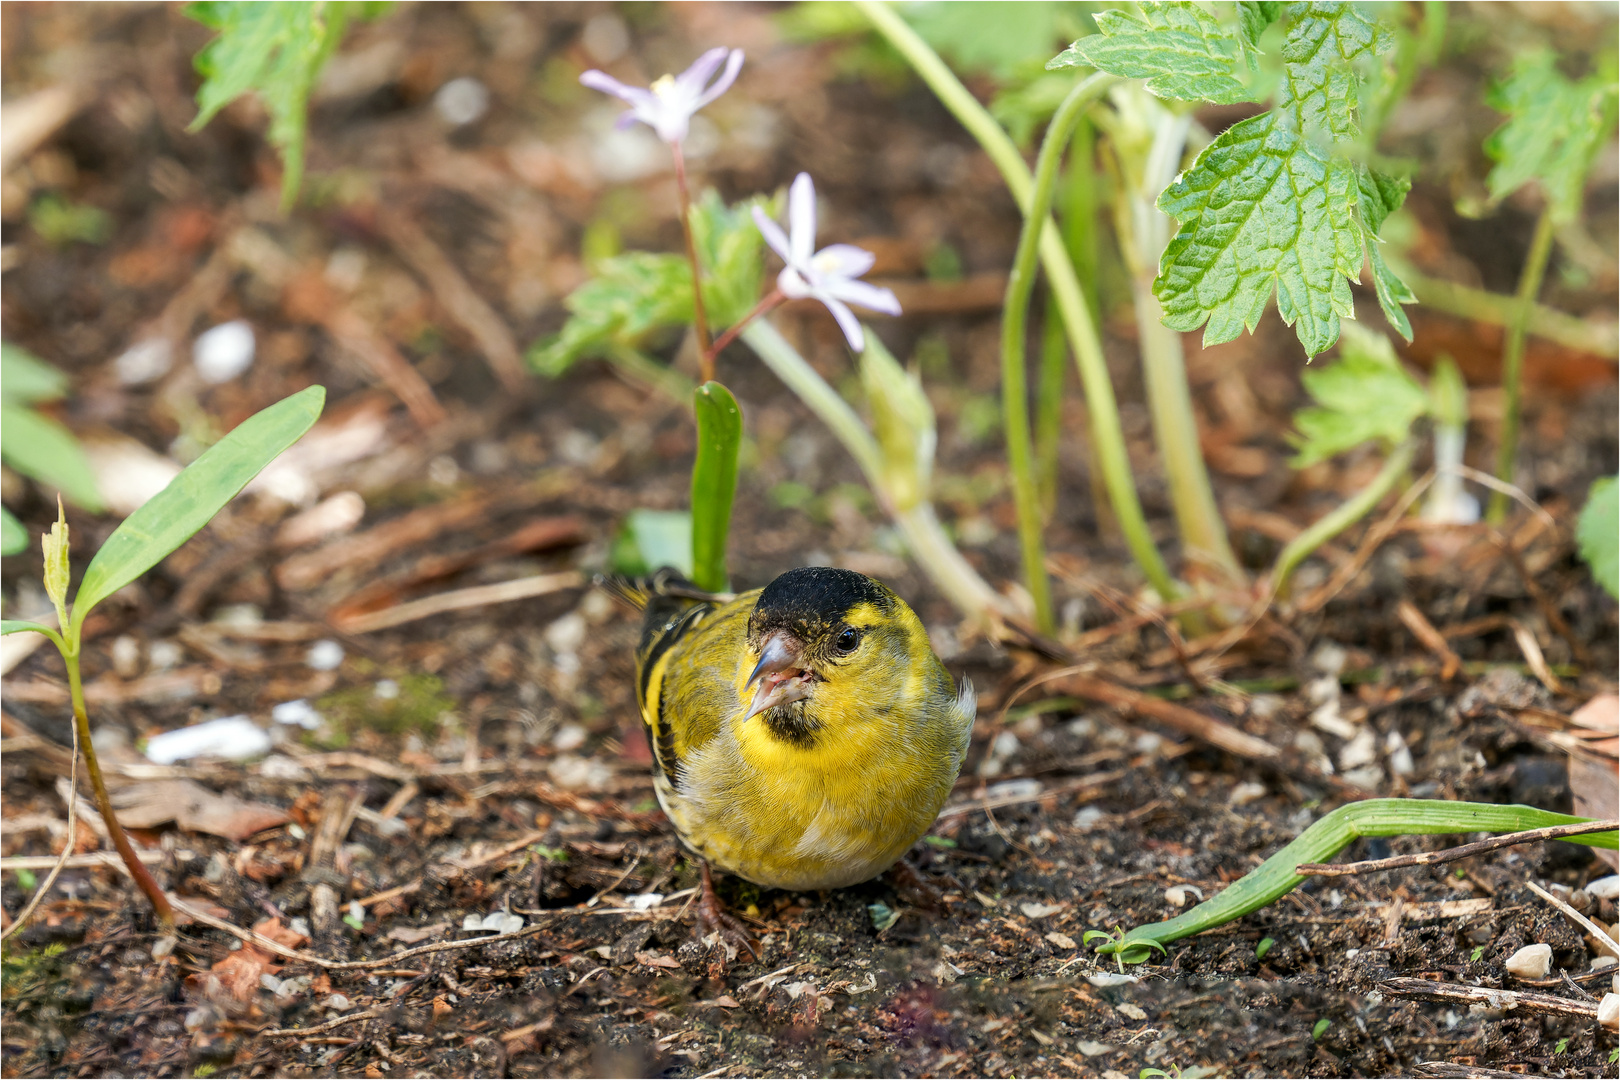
{"x": 1182, "y": 52}
{"x": 22, "y": 626}
{"x": 1554, "y": 130}
{"x": 13, "y": 537}
{"x": 39, "y": 447}
{"x": 1261, "y": 211}
{"x": 903, "y": 421}
{"x": 24, "y": 378}
{"x": 1253, "y": 18}
{"x": 1598, "y": 533}
{"x": 714, "y": 483}
{"x": 191, "y": 500}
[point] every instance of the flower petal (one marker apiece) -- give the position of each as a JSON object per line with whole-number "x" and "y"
{"x": 692, "y": 79}
{"x": 773, "y": 234}
{"x": 601, "y": 80}
{"x": 847, "y": 322}
{"x": 793, "y": 285}
{"x": 802, "y": 219}
{"x": 844, "y": 261}
{"x": 873, "y": 297}
{"x": 734, "y": 64}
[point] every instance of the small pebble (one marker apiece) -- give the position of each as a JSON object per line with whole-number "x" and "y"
{"x": 1134, "y": 1012}
{"x": 324, "y": 655}
{"x": 164, "y": 655}
{"x": 357, "y": 911}
{"x": 1245, "y": 793}
{"x": 126, "y": 656}
{"x": 163, "y": 946}
{"x": 337, "y": 1001}
{"x": 270, "y": 982}
{"x": 235, "y": 738}
{"x": 1609, "y": 1012}
{"x": 1087, "y": 817}
{"x": 1359, "y": 751}
{"x": 569, "y": 737}
{"x": 644, "y": 901}
{"x": 1104, "y": 979}
{"x": 1329, "y": 658}
{"x": 224, "y": 352}
{"x": 461, "y": 101}
{"x": 385, "y": 690}
{"x": 1604, "y": 888}
{"x": 1039, "y": 911}
{"x": 1530, "y": 962}
{"x": 472, "y": 922}
{"x": 298, "y": 712}
{"x": 144, "y": 361}
{"x": 566, "y": 634}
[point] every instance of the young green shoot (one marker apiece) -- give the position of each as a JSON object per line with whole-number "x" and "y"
{"x": 1554, "y": 131}
{"x": 145, "y": 538}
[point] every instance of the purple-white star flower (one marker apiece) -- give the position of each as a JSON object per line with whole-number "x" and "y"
{"x": 828, "y": 275}
{"x": 668, "y": 104}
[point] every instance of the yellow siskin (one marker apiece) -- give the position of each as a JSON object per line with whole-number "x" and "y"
{"x": 804, "y": 735}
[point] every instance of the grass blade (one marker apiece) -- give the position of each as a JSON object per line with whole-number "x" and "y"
{"x": 173, "y": 515}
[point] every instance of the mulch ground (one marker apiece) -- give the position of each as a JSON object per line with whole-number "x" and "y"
{"x": 484, "y": 767}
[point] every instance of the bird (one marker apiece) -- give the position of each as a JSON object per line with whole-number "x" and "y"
{"x": 804, "y": 735}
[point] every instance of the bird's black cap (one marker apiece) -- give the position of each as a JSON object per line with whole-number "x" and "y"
{"x": 813, "y": 598}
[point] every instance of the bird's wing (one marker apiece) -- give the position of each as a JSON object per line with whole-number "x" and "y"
{"x": 686, "y": 670}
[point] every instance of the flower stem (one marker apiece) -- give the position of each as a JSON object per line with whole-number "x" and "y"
{"x": 771, "y": 300}
{"x": 1014, "y": 318}
{"x": 1144, "y": 232}
{"x": 1341, "y": 517}
{"x": 926, "y": 538}
{"x": 700, "y": 318}
{"x": 1108, "y": 437}
{"x": 1535, "y": 267}
{"x": 137, "y": 869}
{"x": 1049, "y": 411}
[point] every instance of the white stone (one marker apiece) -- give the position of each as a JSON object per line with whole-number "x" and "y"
{"x": 566, "y": 634}
{"x": 1604, "y": 888}
{"x": 224, "y": 352}
{"x": 324, "y": 655}
{"x": 1359, "y": 751}
{"x": 1247, "y": 792}
{"x": 461, "y": 101}
{"x": 1609, "y": 1012}
{"x": 1530, "y": 962}
{"x": 144, "y": 361}
{"x": 569, "y": 737}
{"x": 234, "y": 738}
{"x": 298, "y": 712}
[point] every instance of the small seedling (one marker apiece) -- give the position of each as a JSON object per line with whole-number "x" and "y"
{"x": 1263, "y": 948}
{"x": 1320, "y": 1028}
{"x": 145, "y": 538}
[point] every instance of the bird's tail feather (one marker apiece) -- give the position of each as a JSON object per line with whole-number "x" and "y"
{"x": 639, "y": 591}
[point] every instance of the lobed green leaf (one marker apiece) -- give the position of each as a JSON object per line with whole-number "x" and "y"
{"x": 1325, "y": 41}
{"x": 173, "y": 515}
{"x": 1364, "y": 395}
{"x": 1182, "y": 52}
{"x": 1554, "y": 130}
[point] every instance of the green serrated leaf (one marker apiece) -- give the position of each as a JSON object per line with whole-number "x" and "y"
{"x": 173, "y": 515}
{"x": 1597, "y": 534}
{"x": 1261, "y": 212}
{"x": 13, "y": 536}
{"x": 1253, "y": 18}
{"x": 24, "y": 378}
{"x": 1182, "y": 52}
{"x": 275, "y": 48}
{"x": 39, "y": 447}
{"x": 983, "y": 36}
{"x": 1555, "y": 129}
{"x": 632, "y": 295}
{"x": 1364, "y": 395}
{"x": 1324, "y": 42}
{"x": 1380, "y": 195}
{"x": 731, "y": 251}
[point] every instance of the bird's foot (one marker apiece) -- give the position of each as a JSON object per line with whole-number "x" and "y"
{"x": 714, "y": 922}
{"x": 916, "y": 889}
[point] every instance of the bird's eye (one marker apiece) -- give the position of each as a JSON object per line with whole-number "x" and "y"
{"x": 848, "y": 640}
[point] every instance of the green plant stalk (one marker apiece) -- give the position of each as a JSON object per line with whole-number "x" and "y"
{"x": 637, "y": 365}
{"x": 1107, "y": 435}
{"x": 1014, "y": 319}
{"x": 1144, "y": 231}
{"x": 1535, "y": 268}
{"x": 126, "y": 851}
{"x": 1597, "y": 338}
{"x": 1049, "y": 410}
{"x": 714, "y": 483}
{"x": 1326, "y": 838}
{"x": 1341, "y": 517}
{"x": 929, "y": 545}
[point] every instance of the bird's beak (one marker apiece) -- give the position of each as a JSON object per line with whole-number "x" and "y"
{"x": 779, "y": 674}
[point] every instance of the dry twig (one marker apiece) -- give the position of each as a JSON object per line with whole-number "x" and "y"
{"x": 1501, "y": 1000}
{"x": 1463, "y": 851}
{"x": 67, "y": 845}
{"x": 1604, "y": 941}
